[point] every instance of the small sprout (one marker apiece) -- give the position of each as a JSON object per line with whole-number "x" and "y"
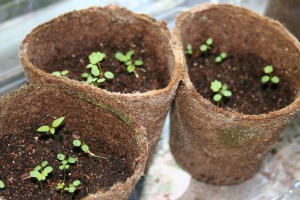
{"x": 221, "y": 57}
{"x": 41, "y": 172}
{"x": 207, "y": 46}
{"x": 85, "y": 148}
{"x": 2, "y": 185}
{"x": 268, "y": 75}
{"x": 189, "y": 49}
{"x": 65, "y": 163}
{"x": 61, "y": 73}
{"x": 127, "y": 60}
{"x": 45, "y": 128}
{"x": 96, "y": 76}
{"x": 220, "y": 90}
{"x": 71, "y": 189}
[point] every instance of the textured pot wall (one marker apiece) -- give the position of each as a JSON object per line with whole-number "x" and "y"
{"x": 218, "y": 146}
{"x": 25, "y": 107}
{"x": 73, "y": 31}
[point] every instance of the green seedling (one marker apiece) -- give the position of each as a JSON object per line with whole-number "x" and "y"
{"x": 268, "y": 77}
{"x": 71, "y": 188}
{"x": 207, "y": 45}
{"x": 61, "y": 73}
{"x": 85, "y": 148}
{"x": 65, "y": 163}
{"x": 46, "y": 129}
{"x": 189, "y": 49}
{"x": 41, "y": 172}
{"x": 128, "y": 61}
{"x": 220, "y": 90}
{"x": 97, "y": 75}
{"x": 2, "y": 185}
{"x": 221, "y": 57}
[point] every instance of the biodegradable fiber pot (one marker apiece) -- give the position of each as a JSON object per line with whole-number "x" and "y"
{"x": 287, "y": 12}
{"x": 224, "y": 146}
{"x": 105, "y": 129}
{"x": 66, "y": 41}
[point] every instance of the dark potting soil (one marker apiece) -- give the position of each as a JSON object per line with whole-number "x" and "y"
{"x": 20, "y": 153}
{"x": 242, "y": 73}
{"x": 153, "y": 78}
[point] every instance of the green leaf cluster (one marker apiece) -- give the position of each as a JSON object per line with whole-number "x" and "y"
{"x": 72, "y": 187}
{"x": 65, "y": 163}
{"x": 127, "y": 60}
{"x": 207, "y": 45}
{"x": 221, "y": 57}
{"x": 56, "y": 123}
{"x": 220, "y": 90}
{"x": 268, "y": 77}
{"x": 96, "y": 75}
{"x": 61, "y": 73}
{"x": 41, "y": 172}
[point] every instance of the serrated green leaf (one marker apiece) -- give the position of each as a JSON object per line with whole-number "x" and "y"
{"x": 226, "y": 93}
{"x": 138, "y": 63}
{"x": 48, "y": 169}
{"x": 85, "y": 148}
{"x": 34, "y": 174}
{"x": 275, "y": 79}
{"x": 61, "y": 156}
{"x": 217, "y": 97}
{"x": 109, "y": 75}
{"x": 2, "y": 185}
{"x": 265, "y": 79}
{"x": 76, "y": 183}
{"x": 76, "y": 143}
{"x": 130, "y": 68}
{"x": 71, "y": 160}
{"x": 43, "y": 129}
{"x": 95, "y": 70}
{"x": 57, "y": 122}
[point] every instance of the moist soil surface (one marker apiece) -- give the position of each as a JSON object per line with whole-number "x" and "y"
{"x": 20, "y": 153}
{"x": 242, "y": 73}
{"x": 152, "y": 75}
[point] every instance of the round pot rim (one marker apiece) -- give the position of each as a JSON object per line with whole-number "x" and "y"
{"x": 173, "y": 45}
{"x": 289, "y": 109}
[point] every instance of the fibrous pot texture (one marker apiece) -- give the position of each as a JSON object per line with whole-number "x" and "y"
{"x": 25, "y": 108}
{"x": 112, "y": 28}
{"x": 221, "y": 146}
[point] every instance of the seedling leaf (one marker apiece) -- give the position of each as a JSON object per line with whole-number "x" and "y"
{"x": 217, "y": 97}
{"x": 44, "y": 164}
{"x": 76, "y": 183}
{"x": 109, "y": 75}
{"x": 34, "y": 173}
{"x": 76, "y": 143}
{"x": 275, "y": 79}
{"x": 57, "y": 122}
{"x": 268, "y": 69}
{"x": 226, "y": 93}
{"x": 101, "y": 80}
{"x": 43, "y": 129}
{"x": 265, "y": 79}
{"x": 203, "y": 47}
{"x": 85, "y": 148}
{"x": 52, "y": 130}
{"x": 48, "y": 169}
{"x": 96, "y": 57}
{"x": 209, "y": 41}
{"x": 119, "y": 56}
{"x": 95, "y": 70}
{"x": 2, "y": 185}
{"x": 71, "y": 160}
{"x": 138, "y": 63}
{"x": 56, "y": 73}
{"x": 215, "y": 86}
{"x": 61, "y": 157}
{"x": 130, "y": 68}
